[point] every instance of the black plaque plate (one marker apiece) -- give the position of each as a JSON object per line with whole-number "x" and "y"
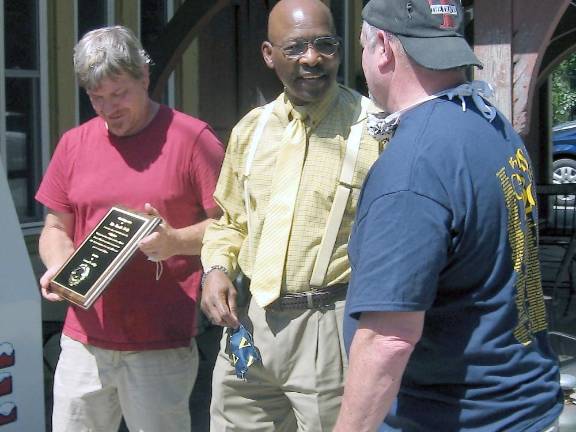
{"x": 103, "y": 253}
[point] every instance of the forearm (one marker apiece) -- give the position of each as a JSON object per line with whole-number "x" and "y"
{"x": 55, "y": 244}
{"x": 188, "y": 240}
{"x": 378, "y": 358}
{"x": 373, "y": 381}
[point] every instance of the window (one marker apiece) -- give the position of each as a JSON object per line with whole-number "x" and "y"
{"x": 23, "y": 101}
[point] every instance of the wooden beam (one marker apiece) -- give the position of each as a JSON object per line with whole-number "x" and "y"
{"x": 353, "y": 47}
{"x": 63, "y": 88}
{"x": 493, "y": 46}
{"x": 127, "y": 14}
{"x": 184, "y": 26}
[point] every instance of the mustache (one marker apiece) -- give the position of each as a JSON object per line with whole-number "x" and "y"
{"x": 311, "y": 70}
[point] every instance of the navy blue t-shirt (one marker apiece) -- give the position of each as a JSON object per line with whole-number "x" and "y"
{"x": 446, "y": 225}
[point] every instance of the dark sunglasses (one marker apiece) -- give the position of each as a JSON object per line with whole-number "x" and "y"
{"x": 323, "y": 45}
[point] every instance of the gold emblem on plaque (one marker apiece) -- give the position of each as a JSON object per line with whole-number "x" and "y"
{"x": 78, "y": 274}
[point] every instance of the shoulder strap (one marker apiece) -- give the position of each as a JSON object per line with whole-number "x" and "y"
{"x": 264, "y": 116}
{"x": 340, "y": 199}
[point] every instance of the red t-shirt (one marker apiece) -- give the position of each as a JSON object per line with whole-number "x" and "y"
{"x": 173, "y": 164}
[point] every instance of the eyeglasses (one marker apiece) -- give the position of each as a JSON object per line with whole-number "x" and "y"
{"x": 323, "y": 45}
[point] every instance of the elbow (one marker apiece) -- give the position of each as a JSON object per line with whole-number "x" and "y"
{"x": 392, "y": 336}
{"x": 390, "y": 356}
{"x": 394, "y": 347}
{"x": 383, "y": 358}
{"x": 384, "y": 347}
{"x": 403, "y": 329}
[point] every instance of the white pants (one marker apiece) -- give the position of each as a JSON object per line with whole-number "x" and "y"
{"x": 94, "y": 387}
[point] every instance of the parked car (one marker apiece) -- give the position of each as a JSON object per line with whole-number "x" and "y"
{"x": 564, "y": 156}
{"x": 564, "y": 152}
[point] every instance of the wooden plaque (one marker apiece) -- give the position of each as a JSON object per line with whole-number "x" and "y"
{"x": 85, "y": 275}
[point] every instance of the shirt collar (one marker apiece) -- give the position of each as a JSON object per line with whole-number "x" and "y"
{"x": 313, "y": 113}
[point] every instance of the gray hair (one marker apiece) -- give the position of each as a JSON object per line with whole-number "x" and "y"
{"x": 108, "y": 52}
{"x": 370, "y": 34}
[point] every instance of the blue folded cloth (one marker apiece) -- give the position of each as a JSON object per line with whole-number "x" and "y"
{"x": 243, "y": 353}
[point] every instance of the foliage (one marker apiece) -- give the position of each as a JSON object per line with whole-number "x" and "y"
{"x": 564, "y": 91}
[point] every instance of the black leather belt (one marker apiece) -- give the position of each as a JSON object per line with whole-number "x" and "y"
{"x": 310, "y": 299}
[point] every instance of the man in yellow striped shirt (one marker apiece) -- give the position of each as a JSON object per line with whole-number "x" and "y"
{"x": 283, "y": 170}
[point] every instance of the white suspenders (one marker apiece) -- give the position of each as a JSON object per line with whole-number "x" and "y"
{"x": 340, "y": 201}
{"x": 340, "y": 198}
{"x": 264, "y": 116}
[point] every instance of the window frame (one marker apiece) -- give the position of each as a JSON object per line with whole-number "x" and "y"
{"x": 43, "y": 123}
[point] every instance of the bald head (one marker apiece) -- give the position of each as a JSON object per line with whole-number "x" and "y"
{"x": 306, "y": 67}
{"x": 288, "y": 15}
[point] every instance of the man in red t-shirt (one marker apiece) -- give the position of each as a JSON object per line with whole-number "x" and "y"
{"x": 132, "y": 353}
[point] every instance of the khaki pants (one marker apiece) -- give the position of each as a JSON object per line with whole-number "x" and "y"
{"x": 94, "y": 387}
{"x": 300, "y": 382}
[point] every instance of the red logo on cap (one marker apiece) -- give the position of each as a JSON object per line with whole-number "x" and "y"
{"x": 447, "y": 9}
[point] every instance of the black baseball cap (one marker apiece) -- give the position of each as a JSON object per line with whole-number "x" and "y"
{"x": 431, "y": 31}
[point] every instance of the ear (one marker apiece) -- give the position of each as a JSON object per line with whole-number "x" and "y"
{"x": 267, "y": 54}
{"x": 385, "y": 49}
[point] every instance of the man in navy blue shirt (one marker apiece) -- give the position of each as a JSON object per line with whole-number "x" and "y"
{"x": 445, "y": 315}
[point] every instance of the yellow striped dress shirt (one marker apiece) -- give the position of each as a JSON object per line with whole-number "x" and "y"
{"x": 227, "y": 241}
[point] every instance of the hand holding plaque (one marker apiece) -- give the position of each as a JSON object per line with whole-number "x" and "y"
{"x": 103, "y": 253}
